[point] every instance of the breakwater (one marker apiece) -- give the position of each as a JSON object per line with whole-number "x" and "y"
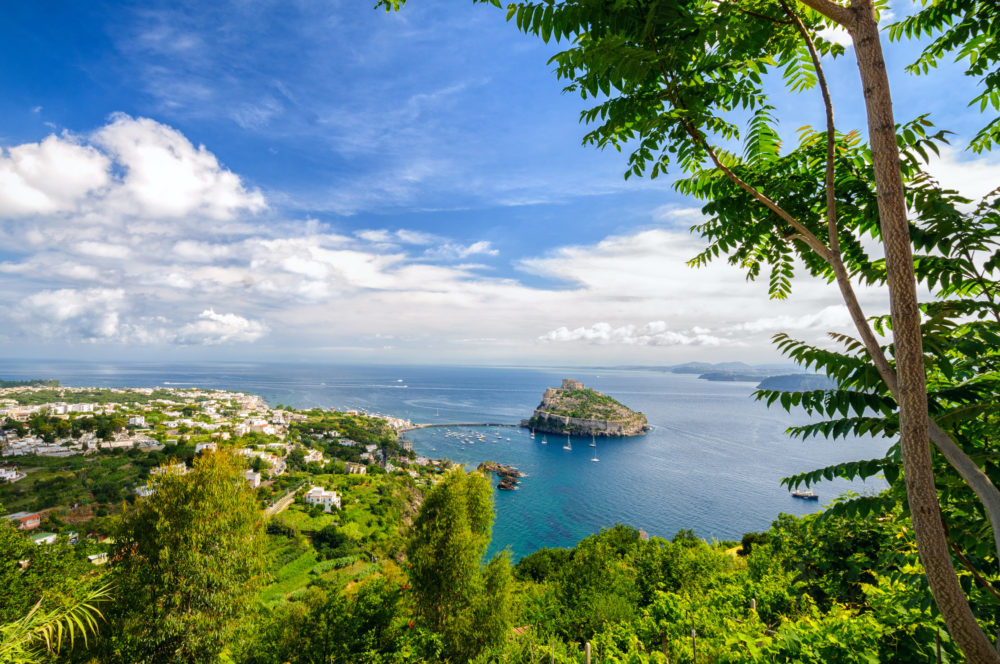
{"x": 459, "y": 424}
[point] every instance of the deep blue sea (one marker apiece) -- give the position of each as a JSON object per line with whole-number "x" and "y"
{"x": 712, "y": 461}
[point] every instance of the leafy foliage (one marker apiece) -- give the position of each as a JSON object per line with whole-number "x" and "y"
{"x": 43, "y": 632}
{"x": 968, "y": 29}
{"x": 186, "y": 562}
{"x": 467, "y": 606}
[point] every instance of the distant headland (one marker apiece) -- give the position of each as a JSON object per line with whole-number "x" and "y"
{"x": 575, "y": 409}
{"x": 767, "y": 376}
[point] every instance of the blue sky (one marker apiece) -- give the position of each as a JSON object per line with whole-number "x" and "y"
{"x": 323, "y": 181}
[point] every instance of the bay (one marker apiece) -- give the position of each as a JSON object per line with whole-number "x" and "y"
{"x": 711, "y": 463}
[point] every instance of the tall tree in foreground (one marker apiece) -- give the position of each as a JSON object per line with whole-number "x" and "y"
{"x": 455, "y": 596}
{"x": 187, "y": 563}
{"x": 677, "y": 76}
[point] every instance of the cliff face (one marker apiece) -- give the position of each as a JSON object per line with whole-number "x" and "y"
{"x": 575, "y": 409}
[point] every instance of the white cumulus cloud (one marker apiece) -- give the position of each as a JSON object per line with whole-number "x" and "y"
{"x": 49, "y": 177}
{"x": 166, "y": 176}
{"x": 212, "y": 328}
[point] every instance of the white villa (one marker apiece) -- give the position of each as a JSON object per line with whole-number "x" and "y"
{"x": 314, "y": 456}
{"x": 318, "y": 495}
{"x": 11, "y": 475}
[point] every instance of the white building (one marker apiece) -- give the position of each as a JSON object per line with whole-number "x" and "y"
{"x": 205, "y": 446}
{"x": 137, "y": 420}
{"x": 318, "y": 495}
{"x": 44, "y": 538}
{"x": 11, "y": 475}
{"x": 252, "y": 477}
{"x": 314, "y": 456}
{"x": 144, "y": 491}
{"x": 355, "y": 468}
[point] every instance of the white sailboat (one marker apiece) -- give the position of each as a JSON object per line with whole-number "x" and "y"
{"x": 593, "y": 440}
{"x": 568, "y": 445}
{"x": 594, "y": 444}
{"x": 544, "y": 442}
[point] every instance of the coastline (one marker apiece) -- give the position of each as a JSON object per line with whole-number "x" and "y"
{"x": 705, "y": 435}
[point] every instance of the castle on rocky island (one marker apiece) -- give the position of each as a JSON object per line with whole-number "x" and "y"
{"x": 575, "y": 409}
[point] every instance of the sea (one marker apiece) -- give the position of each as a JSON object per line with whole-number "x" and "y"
{"x": 712, "y": 461}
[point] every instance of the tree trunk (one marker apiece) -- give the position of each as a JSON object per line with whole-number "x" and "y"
{"x": 912, "y": 395}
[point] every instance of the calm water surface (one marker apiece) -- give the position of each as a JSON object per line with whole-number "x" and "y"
{"x": 712, "y": 462}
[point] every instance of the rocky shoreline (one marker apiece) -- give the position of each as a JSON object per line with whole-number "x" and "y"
{"x": 509, "y": 475}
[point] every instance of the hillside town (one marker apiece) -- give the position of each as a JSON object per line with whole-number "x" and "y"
{"x": 55, "y": 440}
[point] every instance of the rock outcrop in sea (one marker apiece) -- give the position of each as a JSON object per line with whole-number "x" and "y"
{"x": 575, "y": 409}
{"x": 508, "y": 474}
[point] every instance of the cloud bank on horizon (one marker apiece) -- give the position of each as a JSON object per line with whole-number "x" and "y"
{"x": 237, "y": 202}
{"x": 132, "y": 235}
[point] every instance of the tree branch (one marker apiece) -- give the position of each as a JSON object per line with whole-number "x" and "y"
{"x": 831, "y": 10}
{"x": 699, "y": 138}
{"x": 987, "y": 586}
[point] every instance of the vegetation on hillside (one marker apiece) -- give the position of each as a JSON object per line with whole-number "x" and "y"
{"x": 588, "y": 404}
{"x": 397, "y": 575}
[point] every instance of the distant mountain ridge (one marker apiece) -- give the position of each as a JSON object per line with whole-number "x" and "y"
{"x": 767, "y": 376}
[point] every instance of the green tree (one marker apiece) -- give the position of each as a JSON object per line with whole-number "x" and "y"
{"x": 296, "y": 459}
{"x": 187, "y": 563}
{"x": 332, "y": 542}
{"x": 469, "y": 606}
{"x": 360, "y": 628}
{"x": 17, "y": 427}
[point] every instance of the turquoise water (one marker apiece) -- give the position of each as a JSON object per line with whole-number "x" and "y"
{"x": 712, "y": 461}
